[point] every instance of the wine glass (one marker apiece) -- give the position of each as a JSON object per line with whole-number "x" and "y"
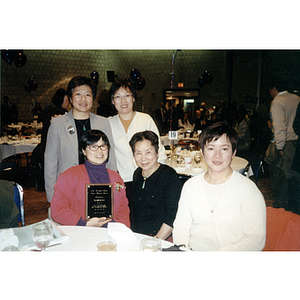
{"x": 42, "y": 234}
{"x": 179, "y": 160}
{"x": 197, "y": 159}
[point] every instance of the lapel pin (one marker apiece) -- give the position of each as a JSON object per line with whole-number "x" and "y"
{"x": 71, "y": 129}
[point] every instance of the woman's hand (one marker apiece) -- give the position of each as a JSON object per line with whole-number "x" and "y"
{"x": 164, "y": 231}
{"x": 97, "y": 222}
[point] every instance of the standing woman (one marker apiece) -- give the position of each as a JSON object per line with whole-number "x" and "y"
{"x": 155, "y": 189}
{"x": 124, "y": 125}
{"x": 62, "y": 147}
{"x": 220, "y": 209}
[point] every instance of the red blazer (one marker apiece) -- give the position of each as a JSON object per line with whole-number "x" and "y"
{"x": 68, "y": 202}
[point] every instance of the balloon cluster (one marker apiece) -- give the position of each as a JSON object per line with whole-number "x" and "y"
{"x": 16, "y": 56}
{"x": 205, "y": 78}
{"x": 95, "y": 77}
{"x": 138, "y": 81}
{"x": 31, "y": 85}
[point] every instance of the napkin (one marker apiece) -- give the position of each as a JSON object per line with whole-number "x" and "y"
{"x": 8, "y": 238}
{"x": 119, "y": 232}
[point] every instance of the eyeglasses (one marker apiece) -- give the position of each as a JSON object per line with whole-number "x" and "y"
{"x": 95, "y": 148}
{"x": 119, "y": 97}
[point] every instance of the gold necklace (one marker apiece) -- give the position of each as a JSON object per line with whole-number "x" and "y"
{"x": 208, "y": 178}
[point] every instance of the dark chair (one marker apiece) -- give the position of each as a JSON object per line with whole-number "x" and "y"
{"x": 37, "y": 167}
{"x": 19, "y": 200}
{"x": 256, "y": 162}
{"x": 246, "y": 170}
{"x": 8, "y": 169}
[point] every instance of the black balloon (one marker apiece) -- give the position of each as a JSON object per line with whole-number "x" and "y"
{"x": 8, "y": 56}
{"x": 20, "y": 59}
{"x": 95, "y": 75}
{"x": 135, "y": 74}
{"x": 207, "y": 77}
{"x": 140, "y": 83}
{"x": 34, "y": 85}
{"x": 30, "y": 86}
{"x": 27, "y": 88}
{"x": 201, "y": 82}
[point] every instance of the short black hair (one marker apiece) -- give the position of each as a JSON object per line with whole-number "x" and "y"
{"x": 144, "y": 135}
{"x": 280, "y": 82}
{"x": 124, "y": 83}
{"x": 79, "y": 81}
{"x": 215, "y": 131}
{"x": 58, "y": 97}
{"x": 91, "y": 137}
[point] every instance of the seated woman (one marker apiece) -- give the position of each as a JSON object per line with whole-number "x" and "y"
{"x": 155, "y": 189}
{"x": 68, "y": 202}
{"x": 184, "y": 122}
{"x": 220, "y": 209}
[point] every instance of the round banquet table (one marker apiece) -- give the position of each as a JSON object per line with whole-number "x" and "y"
{"x": 13, "y": 147}
{"x": 82, "y": 238}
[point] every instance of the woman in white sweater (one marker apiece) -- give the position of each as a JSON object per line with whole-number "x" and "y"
{"x": 220, "y": 209}
{"x": 124, "y": 125}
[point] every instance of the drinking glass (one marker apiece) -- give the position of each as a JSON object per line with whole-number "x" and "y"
{"x": 42, "y": 234}
{"x": 107, "y": 246}
{"x": 150, "y": 244}
{"x": 197, "y": 159}
{"x": 179, "y": 160}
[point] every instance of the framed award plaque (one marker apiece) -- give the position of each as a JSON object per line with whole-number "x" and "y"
{"x": 99, "y": 201}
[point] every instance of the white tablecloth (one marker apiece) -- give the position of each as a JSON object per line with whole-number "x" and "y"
{"x": 167, "y": 142}
{"x": 13, "y": 147}
{"x": 82, "y": 238}
{"x": 20, "y": 125}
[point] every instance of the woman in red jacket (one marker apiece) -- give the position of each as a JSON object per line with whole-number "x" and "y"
{"x": 69, "y": 199}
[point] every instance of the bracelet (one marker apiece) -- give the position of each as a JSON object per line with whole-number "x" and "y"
{"x": 156, "y": 236}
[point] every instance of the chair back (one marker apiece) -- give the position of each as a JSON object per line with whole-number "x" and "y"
{"x": 19, "y": 200}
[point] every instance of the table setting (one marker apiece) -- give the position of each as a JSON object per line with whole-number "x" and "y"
{"x": 11, "y": 145}
{"x": 19, "y": 126}
{"x": 48, "y": 236}
{"x": 182, "y": 134}
{"x": 187, "y": 162}
{"x": 191, "y": 162}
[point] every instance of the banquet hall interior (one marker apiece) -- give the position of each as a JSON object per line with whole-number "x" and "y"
{"x": 177, "y": 78}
